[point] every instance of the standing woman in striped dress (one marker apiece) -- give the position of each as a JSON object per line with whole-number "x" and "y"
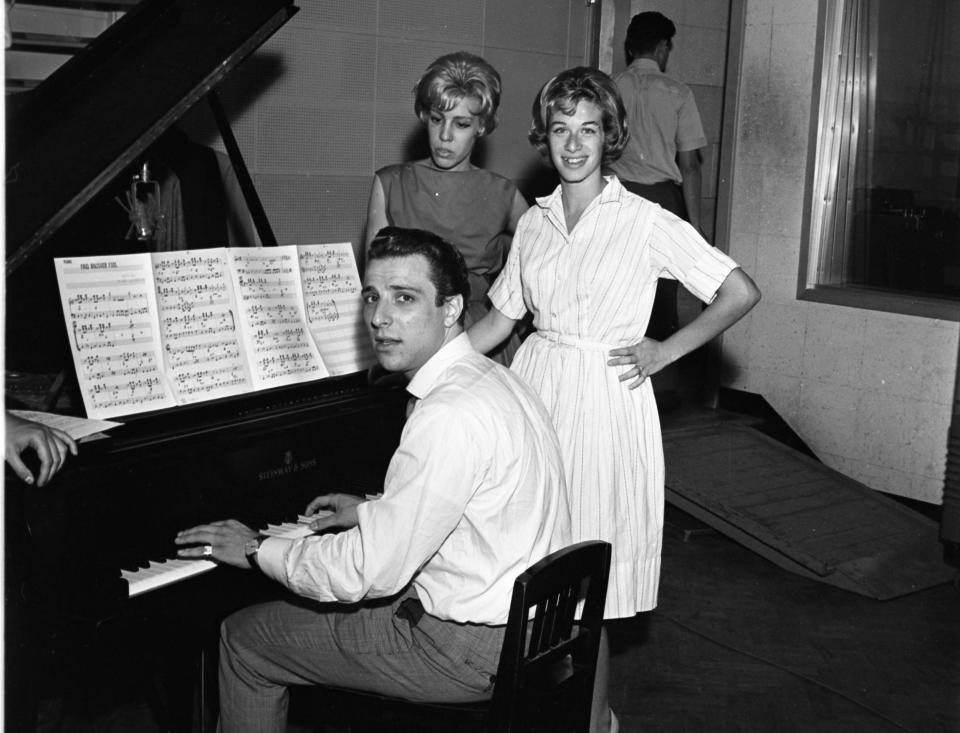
{"x": 585, "y": 262}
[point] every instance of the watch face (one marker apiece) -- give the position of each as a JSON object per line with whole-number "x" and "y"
{"x": 252, "y": 546}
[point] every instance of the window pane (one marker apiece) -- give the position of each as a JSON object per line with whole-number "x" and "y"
{"x": 889, "y": 149}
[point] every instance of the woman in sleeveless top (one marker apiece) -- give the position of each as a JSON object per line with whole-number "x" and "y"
{"x": 474, "y": 209}
{"x": 585, "y": 262}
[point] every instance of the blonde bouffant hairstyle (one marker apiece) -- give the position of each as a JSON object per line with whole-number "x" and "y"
{"x": 454, "y": 77}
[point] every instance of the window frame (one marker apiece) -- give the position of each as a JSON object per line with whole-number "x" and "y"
{"x": 829, "y": 16}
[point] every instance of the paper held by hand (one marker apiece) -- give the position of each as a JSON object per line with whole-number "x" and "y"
{"x": 77, "y": 428}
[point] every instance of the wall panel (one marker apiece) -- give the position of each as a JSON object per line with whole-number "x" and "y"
{"x": 870, "y": 392}
{"x": 328, "y": 99}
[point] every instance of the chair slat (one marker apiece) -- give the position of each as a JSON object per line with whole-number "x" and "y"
{"x": 547, "y": 665}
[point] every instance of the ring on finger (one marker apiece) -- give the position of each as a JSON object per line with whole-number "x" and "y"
{"x": 207, "y": 550}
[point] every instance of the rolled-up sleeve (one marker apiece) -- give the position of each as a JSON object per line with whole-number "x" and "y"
{"x": 271, "y": 555}
{"x": 423, "y": 502}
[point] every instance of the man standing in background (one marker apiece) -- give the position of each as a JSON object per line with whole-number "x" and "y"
{"x": 661, "y": 162}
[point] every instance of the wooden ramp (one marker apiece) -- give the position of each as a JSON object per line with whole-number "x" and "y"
{"x": 799, "y": 514}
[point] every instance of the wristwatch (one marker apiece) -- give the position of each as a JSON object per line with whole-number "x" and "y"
{"x": 251, "y": 548}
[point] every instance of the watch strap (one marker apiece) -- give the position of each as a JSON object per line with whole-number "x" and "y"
{"x": 251, "y": 549}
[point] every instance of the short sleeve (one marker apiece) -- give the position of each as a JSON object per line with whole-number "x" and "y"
{"x": 506, "y": 293}
{"x": 679, "y": 250}
{"x": 690, "y": 134}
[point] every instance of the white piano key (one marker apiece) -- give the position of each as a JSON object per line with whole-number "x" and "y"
{"x": 161, "y": 573}
{"x": 306, "y": 519}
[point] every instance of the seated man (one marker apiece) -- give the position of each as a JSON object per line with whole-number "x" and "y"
{"x": 474, "y": 494}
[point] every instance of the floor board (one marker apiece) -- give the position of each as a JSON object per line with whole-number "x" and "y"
{"x": 739, "y": 644}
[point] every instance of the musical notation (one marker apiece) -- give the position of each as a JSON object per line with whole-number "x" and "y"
{"x": 296, "y": 363}
{"x": 194, "y": 264}
{"x": 108, "y": 303}
{"x": 203, "y": 323}
{"x": 132, "y": 392}
{"x": 80, "y": 301}
{"x": 206, "y": 380}
{"x": 115, "y": 366}
{"x": 202, "y": 343}
{"x": 154, "y": 330}
{"x": 270, "y": 300}
{"x": 331, "y": 289}
{"x": 202, "y": 353}
{"x": 119, "y": 313}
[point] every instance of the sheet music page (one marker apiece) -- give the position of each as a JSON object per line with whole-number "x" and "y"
{"x": 331, "y": 290}
{"x": 75, "y": 427}
{"x": 110, "y": 307}
{"x": 280, "y": 350}
{"x": 199, "y": 325}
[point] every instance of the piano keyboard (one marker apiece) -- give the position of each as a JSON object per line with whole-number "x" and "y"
{"x": 165, "y": 572}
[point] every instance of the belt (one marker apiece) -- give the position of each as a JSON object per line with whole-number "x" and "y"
{"x": 562, "y": 339}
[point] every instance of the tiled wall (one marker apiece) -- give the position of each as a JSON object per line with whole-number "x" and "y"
{"x": 870, "y": 392}
{"x": 328, "y": 99}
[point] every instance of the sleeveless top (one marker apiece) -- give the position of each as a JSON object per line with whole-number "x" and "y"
{"x": 470, "y": 209}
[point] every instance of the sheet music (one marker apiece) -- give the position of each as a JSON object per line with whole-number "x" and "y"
{"x": 199, "y": 325}
{"x": 108, "y": 303}
{"x": 331, "y": 289}
{"x": 270, "y": 300}
{"x": 76, "y": 427}
{"x": 154, "y": 330}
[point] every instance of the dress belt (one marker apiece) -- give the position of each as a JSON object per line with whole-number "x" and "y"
{"x": 563, "y": 339}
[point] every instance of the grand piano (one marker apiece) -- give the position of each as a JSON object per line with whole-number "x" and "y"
{"x": 72, "y": 145}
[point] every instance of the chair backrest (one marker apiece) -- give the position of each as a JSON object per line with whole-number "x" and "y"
{"x": 549, "y": 655}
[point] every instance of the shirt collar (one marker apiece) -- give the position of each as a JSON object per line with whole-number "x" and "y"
{"x": 429, "y": 373}
{"x": 612, "y": 191}
{"x": 645, "y": 64}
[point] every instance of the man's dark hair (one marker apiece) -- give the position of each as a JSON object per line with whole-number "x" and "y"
{"x": 645, "y": 31}
{"x": 448, "y": 271}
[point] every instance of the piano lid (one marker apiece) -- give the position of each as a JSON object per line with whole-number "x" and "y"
{"x": 98, "y": 112}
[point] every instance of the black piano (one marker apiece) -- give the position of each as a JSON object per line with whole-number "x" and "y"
{"x": 73, "y": 144}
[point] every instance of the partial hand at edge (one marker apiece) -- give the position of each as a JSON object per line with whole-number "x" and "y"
{"x": 50, "y": 444}
{"x": 343, "y": 506}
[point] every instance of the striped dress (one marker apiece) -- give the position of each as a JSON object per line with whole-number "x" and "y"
{"x": 591, "y": 291}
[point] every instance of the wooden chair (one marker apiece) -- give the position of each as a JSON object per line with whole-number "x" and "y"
{"x": 547, "y": 664}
